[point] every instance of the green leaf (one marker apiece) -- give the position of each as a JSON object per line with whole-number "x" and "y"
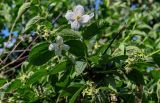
{"x": 101, "y": 49}
{"x": 69, "y": 34}
{"x": 74, "y": 97}
{"x": 62, "y": 83}
{"x": 31, "y": 22}
{"x": 151, "y": 101}
{"x": 137, "y": 32}
{"x": 156, "y": 26}
{"x": 95, "y": 59}
{"x": 132, "y": 49}
{"x": 40, "y": 54}
{"x": 94, "y": 29}
{"x": 80, "y": 67}
{"x": 144, "y": 26}
{"x": 129, "y": 97}
{"x": 23, "y": 9}
{"x": 65, "y": 78}
{"x": 37, "y": 76}
{"x": 156, "y": 58}
{"x": 2, "y": 81}
{"x": 77, "y": 48}
{"x": 119, "y": 58}
{"x": 155, "y": 74}
{"x": 136, "y": 76}
{"x": 14, "y": 85}
{"x": 58, "y": 68}
{"x": 70, "y": 90}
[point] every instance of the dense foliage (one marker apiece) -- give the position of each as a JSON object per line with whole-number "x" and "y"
{"x": 109, "y": 54}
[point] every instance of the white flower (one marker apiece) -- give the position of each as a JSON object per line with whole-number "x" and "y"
{"x": 58, "y": 46}
{"x": 77, "y": 17}
{"x": 1, "y": 51}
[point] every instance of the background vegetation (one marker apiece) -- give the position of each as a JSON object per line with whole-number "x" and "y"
{"x": 114, "y": 58}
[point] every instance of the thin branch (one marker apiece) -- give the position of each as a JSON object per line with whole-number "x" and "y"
{"x": 105, "y": 72}
{"x": 19, "y": 55}
{"x": 28, "y": 47}
{"x": 11, "y": 52}
{"x": 17, "y": 51}
{"x": 13, "y": 62}
{"x": 155, "y": 52}
{"x": 10, "y": 36}
{"x": 20, "y": 63}
{"x": 120, "y": 31}
{"x": 54, "y": 21}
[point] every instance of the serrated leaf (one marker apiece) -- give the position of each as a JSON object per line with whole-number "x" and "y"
{"x": 31, "y": 22}
{"x": 23, "y": 9}
{"x": 40, "y": 54}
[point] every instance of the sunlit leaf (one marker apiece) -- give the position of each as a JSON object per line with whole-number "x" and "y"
{"x": 23, "y": 9}
{"x": 32, "y": 22}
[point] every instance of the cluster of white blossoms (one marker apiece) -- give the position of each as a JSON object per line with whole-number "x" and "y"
{"x": 76, "y": 18}
{"x": 58, "y": 46}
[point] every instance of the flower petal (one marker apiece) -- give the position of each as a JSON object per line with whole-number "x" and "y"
{"x": 59, "y": 40}
{"x": 58, "y": 52}
{"x": 69, "y": 15}
{"x": 86, "y": 18}
{"x": 79, "y": 10}
{"x": 75, "y": 25}
{"x": 91, "y": 15}
{"x": 52, "y": 46}
{"x": 65, "y": 47}
{"x": 1, "y": 51}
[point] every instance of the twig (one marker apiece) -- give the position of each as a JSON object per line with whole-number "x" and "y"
{"x": 19, "y": 55}
{"x": 54, "y": 21}
{"x": 120, "y": 31}
{"x": 155, "y": 52}
{"x": 16, "y": 51}
{"x": 28, "y": 47}
{"x": 13, "y": 62}
{"x": 10, "y": 36}
{"x": 11, "y": 52}
{"x": 105, "y": 72}
{"x": 126, "y": 38}
{"x": 19, "y": 63}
